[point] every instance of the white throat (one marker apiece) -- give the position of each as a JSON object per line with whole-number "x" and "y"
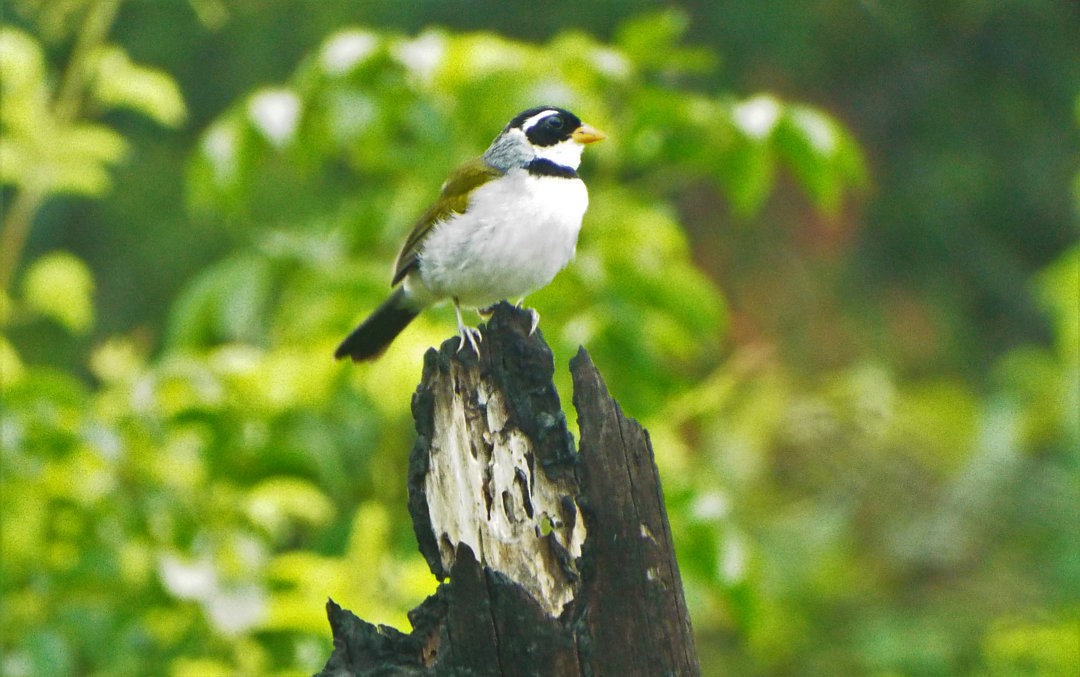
{"x": 565, "y": 153}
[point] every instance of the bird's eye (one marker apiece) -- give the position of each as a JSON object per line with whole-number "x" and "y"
{"x": 555, "y": 122}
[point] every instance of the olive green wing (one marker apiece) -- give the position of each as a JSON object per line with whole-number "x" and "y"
{"x": 453, "y": 199}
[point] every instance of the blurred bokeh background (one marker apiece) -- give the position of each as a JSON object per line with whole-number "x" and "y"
{"x": 831, "y": 263}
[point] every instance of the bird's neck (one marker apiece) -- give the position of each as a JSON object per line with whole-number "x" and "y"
{"x": 544, "y": 167}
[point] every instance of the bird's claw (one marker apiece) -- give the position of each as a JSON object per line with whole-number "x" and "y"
{"x": 473, "y": 336}
{"x": 465, "y": 332}
{"x": 533, "y": 316}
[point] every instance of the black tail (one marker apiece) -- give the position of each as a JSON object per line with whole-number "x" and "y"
{"x": 375, "y": 333}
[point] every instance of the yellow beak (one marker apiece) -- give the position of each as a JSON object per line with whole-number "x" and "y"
{"x": 587, "y": 134}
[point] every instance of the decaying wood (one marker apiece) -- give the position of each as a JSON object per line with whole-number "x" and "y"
{"x": 493, "y": 468}
{"x": 632, "y": 573}
{"x": 553, "y": 562}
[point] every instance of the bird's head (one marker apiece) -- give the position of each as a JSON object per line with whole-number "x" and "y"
{"x": 545, "y": 133}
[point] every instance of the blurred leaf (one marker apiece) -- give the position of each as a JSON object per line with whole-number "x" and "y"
{"x": 115, "y": 360}
{"x": 11, "y": 367}
{"x": 120, "y": 83}
{"x": 276, "y": 502}
{"x": 22, "y": 64}
{"x": 22, "y": 84}
{"x": 939, "y": 421}
{"x": 652, "y": 40}
{"x": 84, "y": 152}
{"x": 1046, "y": 395}
{"x": 749, "y": 173}
{"x": 213, "y": 14}
{"x": 43, "y": 156}
{"x": 38, "y": 151}
{"x": 1058, "y": 291}
{"x": 823, "y": 157}
{"x": 48, "y": 652}
{"x": 199, "y": 667}
{"x": 275, "y": 381}
{"x": 224, "y": 303}
{"x": 56, "y": 19}
{"x": 214, "y": 172}
{"x": 25, "y": 522}
{"x": 7, "y": 308}
{"x": 1033, "y": 648}
{"x": 61, "y": 287}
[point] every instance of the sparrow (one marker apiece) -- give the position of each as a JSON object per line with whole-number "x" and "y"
{"x": 504, "y": 225}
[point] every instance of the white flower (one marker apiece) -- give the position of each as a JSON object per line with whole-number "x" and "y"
{"x": 236, "y": 611}
{"x": 188, "y": 580}
{"x": 344, "y": 50}
{"x": 711, "y": 505}
{"x": 275, "y": 113}
{"x": 757, "y": 117}
{"x": 422, "y": 55}
{"x": 611, "y": 62}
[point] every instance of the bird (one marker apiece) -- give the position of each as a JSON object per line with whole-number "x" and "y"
{"x": 504, "y": 224}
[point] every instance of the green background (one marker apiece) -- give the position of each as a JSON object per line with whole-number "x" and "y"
{"x": 830, "y": 262}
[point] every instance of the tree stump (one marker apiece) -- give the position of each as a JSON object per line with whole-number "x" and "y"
{"x": 553, "y": 561}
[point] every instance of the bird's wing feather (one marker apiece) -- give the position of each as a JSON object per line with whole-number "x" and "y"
{"x": 453, "y": 199}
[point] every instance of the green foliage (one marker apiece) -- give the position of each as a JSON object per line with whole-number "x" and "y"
{"x": 367, "y": 105}
{"x": 182, "y": 498}
{"x": 39, "y": 152}
{"x": 1032, "y": 648}
{"x": 44, "y": 150}
{"x": 119, "y": 83}
{"x": 60, "y": 286}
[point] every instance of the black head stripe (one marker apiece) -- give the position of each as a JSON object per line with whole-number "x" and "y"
{"x": 548, "y": 130}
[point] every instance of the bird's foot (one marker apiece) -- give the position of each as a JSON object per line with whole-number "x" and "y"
{"x": 466, "y": 333}
{"x": 533, "y": 315}
{"x": 473, "y": 336}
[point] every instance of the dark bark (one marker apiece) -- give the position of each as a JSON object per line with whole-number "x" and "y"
{"x": 553, "y": 562}
{"x": 637, "y": 619}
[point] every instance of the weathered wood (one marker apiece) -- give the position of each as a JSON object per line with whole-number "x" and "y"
{"x": 637, "y": 619}
{"x": 554, "y": 562}
{"x": 493, "y": 465}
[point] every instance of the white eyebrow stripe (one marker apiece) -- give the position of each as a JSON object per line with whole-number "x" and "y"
{"x": 531, "y": 122}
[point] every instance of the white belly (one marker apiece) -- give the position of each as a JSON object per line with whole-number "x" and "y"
{"x": 516, "y": 234}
